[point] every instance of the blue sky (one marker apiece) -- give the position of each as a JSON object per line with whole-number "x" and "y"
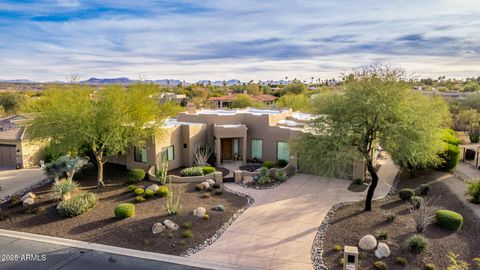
{"x": 247, "y": 39}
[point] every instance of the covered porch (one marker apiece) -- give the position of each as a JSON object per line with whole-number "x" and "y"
{"x": 230, "y": 143}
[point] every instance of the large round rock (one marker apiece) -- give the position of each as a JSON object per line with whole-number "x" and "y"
{"x": 368, "y": 242}
{"x": 382, "y": 251}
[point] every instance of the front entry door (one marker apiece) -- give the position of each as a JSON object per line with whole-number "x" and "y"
{"x": 227, "y": 149}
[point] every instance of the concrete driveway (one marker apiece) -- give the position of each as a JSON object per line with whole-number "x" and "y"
{"x": 278, "y": 230}
{"x": 13, "y": 181}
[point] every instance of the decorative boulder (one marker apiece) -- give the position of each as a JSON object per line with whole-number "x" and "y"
{"x": 382, "y": 251}
{"x": 28, "y": 202}
{"x": 368, "y": 242}
{"x": 170, "y": 224}
{"x": 158, "y": 228}
{"x": 28, "y": 195}
{"x": 202, "y": 186}
{"x": 219, "y": 207}
{"x": 247, "y": 180}
{"x": 210, "y": 182}
{"x": 153, "y": 187}
{"x": 199, "y": 212}
{"x": 59, "y": 205}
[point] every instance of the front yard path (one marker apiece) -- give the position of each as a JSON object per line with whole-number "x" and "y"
{"x": 278, "y": 230}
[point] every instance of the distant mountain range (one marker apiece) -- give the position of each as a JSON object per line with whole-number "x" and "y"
{"x": 165, "y": 82}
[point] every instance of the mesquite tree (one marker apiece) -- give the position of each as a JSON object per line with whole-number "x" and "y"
{"x": 375, "y": 107}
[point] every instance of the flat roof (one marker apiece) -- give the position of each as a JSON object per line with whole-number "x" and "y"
{"x": 173, "y": 122}
{"x": 253, "y": 111}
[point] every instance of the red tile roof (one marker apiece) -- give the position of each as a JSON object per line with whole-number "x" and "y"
{"x": 230, "y": 98}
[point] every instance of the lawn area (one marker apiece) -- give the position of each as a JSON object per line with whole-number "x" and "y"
{"x": 99, "y": 224}
{"x": 350, "y": 223}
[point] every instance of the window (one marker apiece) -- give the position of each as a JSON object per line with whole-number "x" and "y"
{"x": 168, "y": 153}
{"x": 282, "y": 151}
{"x": 140, "y": 154}
{"x": 236, "y": 143}
{"x": 257, "y": 149}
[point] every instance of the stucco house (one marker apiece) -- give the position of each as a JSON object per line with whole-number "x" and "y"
{"x": 236, "y": 135}
{"x": 227, "y": 100}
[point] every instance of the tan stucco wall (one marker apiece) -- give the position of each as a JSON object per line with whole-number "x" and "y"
{"x": 31, "y": 152}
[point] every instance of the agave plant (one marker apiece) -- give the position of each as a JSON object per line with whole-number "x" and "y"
{"x": 63, "y": 188}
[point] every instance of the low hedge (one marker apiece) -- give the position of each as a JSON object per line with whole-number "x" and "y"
{"x": 192, "y": 171}
{"x": 449, "y": 219}
{"x": 208, "y": 170}
{"x": 124, "y": 210}
{"x": 406, "y": 194}
{"x": 268, "y": 164}
{"x": 78, "y": 204}
{"x": 136, "y": 175}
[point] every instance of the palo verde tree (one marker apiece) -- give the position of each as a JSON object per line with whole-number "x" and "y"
{"x": 104, "y": 122}
{"x": 375, "y": 107}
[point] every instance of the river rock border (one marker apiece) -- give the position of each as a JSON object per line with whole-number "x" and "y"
{"x": 224, "y": 227}
{"x": 317, "y": 247}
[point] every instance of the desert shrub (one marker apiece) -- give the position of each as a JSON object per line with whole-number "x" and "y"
{"x": 124, "y": 210}
{"x": 406, "y": 193}
{"x": 381, "y": 234}
{"x": 136, "y": 175}
{"x": 208, "y": 169}
{"x": 263, "y": 171}
{"x": 380, "y": 265}
{"x": 173, "y": 206}
{"x": 187, "y": 234}
{"x": 268, "y": 164}
{"x": 14, "y": 201}
{"x": 456, "y": 263}
{"x": 140, "y": 199}
{"x": 162, "y": 192}
{"x": 358, "y": 181}
{"x": 206, "y": 216}
{"x": 424, "y": 189}
{"x": 430, "y": 266}
{"x": 281, "y": 175}
{"x": 449, "y": 219}
{"x": 192, "y": 171}
{"x": 473, "y": 190}
{"x": 338, "y": 248}
{"x": 341, "y": 262}
{"x": 416, "y": 201}
{"x": 422, "y": 215}
{"x": 63, "y": 188}
{"x": 264, "y": 180}
{"x": 131, "y": 188}
{"x": 139, "y": 191}
{"x": 78, "y": 204}
{"x": 417, "y": 243}
{"x": 451, "y": 154}
{"x": 390, "y": 216}
{"x": 149, "y": 193}
{"x": 281, "y": 163}
{"x": 187, "y": 225}
{"x": 401, "y": 261}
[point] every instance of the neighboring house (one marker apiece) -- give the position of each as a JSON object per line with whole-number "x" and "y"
{"x": 16, "y": 150}
{"x": 243, "y": 135}
{"x": 177, "y": 98}
{"x": 226, "y": 101}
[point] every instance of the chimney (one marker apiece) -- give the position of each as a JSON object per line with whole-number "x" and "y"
{"x": 191, "y": 108}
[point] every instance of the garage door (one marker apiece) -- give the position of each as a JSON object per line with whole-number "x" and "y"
{"x": 8, "y": 155}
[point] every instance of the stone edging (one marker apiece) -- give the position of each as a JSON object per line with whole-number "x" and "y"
{"x": 317, "y": 247}
{"x": 224, "y": 227}
{"x": 25, "y": 190}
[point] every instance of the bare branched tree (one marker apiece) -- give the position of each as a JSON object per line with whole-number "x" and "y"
{"x": 424, "y": 215}
{"x": 202, "y": 154}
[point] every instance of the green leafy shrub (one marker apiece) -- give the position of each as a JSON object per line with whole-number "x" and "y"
{"x": 424, "y": 189}
{"x": 149, "y": 194}
{"x": 139, "y": 191}
{"x": 263, "y": 171}
{"x": 449, "y": 219}
{"x": 187, "y": 234}
{"x": 264, "y": 180}
{"x": 140, "y": 199}
{"x": 268, "y": 164}
{"x": 473, "y": 190}
{"x": 131, "y": 188}
{"x": 337, "y": 248}
{"x": 430, "y": 266}
{"x": 381, "y": 234}
{"x": 63, "y": 187}
{"x": 281, "y": 163}
{"x": 124, "y": 210}
{"x": 162, "y": 191}
{"x": 379, "y": 265}
{"x": 192, "y": 171}
{"x": 78, "y": 204}
{"x": 417, "y": 243}
{"x": 406, "y": 193}
{"x": 451, "y": 154}
{"x": 416, "y": 201}
{"x": 136, "y": 175}
{"x": 281, "y": 175}
{"x": 208, "y": 170}
{"x": 187, "y": 225}
{"x": 401, "y": 261}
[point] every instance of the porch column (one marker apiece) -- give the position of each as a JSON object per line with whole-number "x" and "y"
{"x": 244, "y": 149}
{"x": 218, "y": 151}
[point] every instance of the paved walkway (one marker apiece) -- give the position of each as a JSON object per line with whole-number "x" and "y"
{"x": 278, "y": 230}
{"x": 52, "y": 257}
{"x": 13, "y": 181}
{"x": 457, "y": 184}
